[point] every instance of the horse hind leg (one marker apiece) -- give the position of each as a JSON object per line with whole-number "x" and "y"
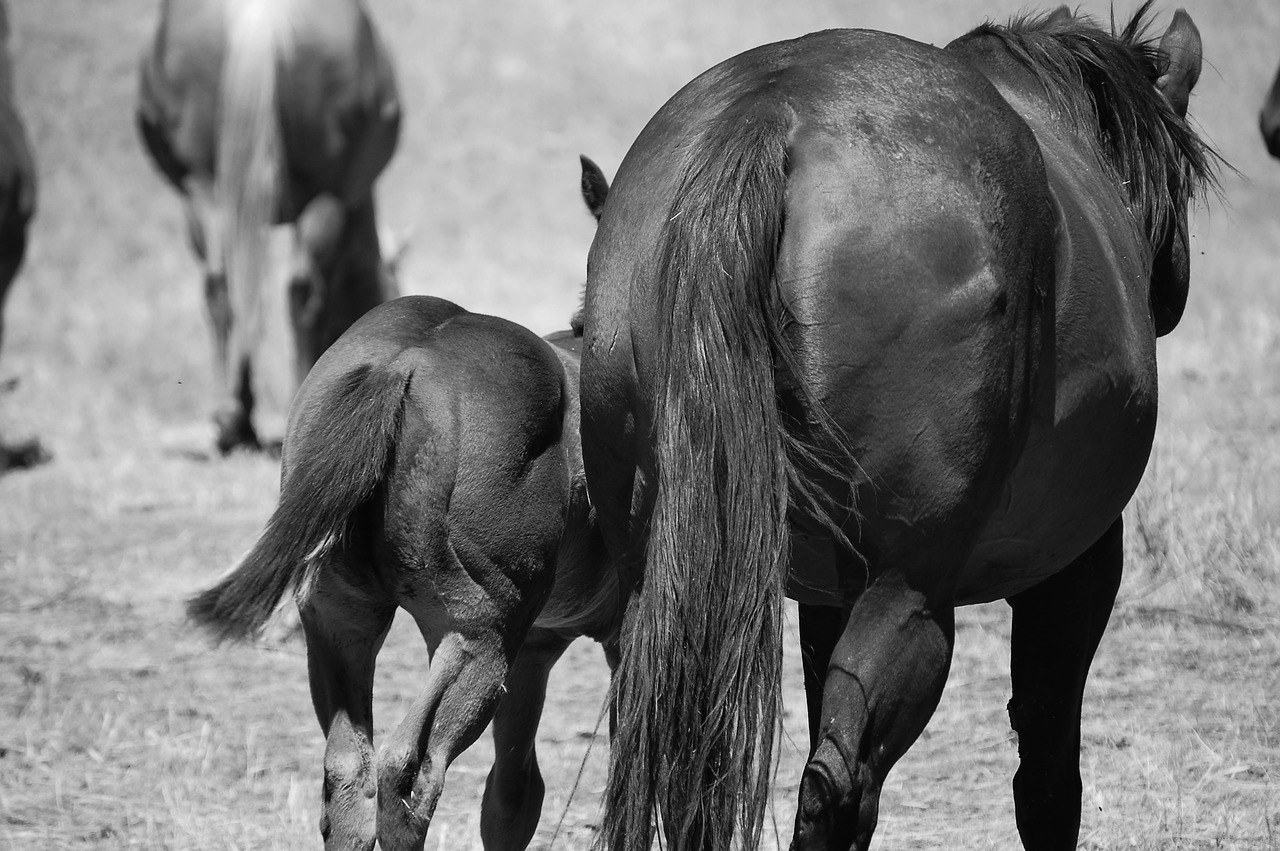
{"x": 1057, "y": 626}
{"x": 514, "y": 790}
{"x": 232, "y": 382}
{"x": 456, "y": 704}
{"x": 884, "y": 681}
{"x": 820, "y": 629}
{"x": 475, "y": 607}
{"x": 345, "y": 622}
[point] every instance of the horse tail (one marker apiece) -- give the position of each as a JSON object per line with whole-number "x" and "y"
{"x": 338, "y": 458}
{"x": 250, "y": 157}
{"x": 698, "y": 693}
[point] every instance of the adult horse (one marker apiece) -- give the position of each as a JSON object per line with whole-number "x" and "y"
{"x": 1269, "y": 118}
{"x": 17, "y": 206}
{"x": 432, "y": 463}
{"x": 873, "y": 324}
{"x": 262, "y": 112}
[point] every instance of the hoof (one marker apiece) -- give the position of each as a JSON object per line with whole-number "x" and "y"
{"x": 22, "y": 456}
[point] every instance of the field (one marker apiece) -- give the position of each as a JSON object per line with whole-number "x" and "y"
{"x": 120, "y": 727}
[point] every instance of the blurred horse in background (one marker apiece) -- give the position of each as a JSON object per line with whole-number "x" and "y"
{"x": 17, "y": 206}
{"x": 1269, "y": 118}
{"x": 873, "y": 324}
{"x": 263, "y": 112}
{"x": 432, "y": 462}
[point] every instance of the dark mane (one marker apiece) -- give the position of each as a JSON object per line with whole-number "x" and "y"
{"x": 1105, "y": 83}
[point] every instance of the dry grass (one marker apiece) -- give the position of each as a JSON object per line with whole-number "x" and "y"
{"x": 119, "y": 728}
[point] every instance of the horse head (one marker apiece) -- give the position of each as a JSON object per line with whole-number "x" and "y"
{"x": 336, "y": 273}
{"x": 1180, "y": 52}
{"x": 595, "y": 191}
{"x": 1269, "y": 118}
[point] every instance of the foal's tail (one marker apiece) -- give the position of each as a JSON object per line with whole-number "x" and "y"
{"x": 697, "y": 695}
{"x": 338, "y": 457}
{"x": 250, "y": 156}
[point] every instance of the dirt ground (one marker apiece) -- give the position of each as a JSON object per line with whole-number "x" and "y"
{"x": 120, "y": 727}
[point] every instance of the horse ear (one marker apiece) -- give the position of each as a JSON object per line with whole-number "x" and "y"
{"x": 1060, "y": 15}
{"x": 595, "y": 187}
{"x": 1181, "y": 48}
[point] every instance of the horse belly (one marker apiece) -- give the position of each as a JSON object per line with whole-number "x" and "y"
{"x": 1070, "y": 484}
{"x": 1093, "y": 422}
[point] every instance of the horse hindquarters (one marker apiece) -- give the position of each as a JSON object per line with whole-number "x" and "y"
{"x": 464, "y": 532}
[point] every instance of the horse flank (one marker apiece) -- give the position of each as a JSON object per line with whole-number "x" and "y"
{"x": 250, "y": 158}
{"x": 363, "y": 417}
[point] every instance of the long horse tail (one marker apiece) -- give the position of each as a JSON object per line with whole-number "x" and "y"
{"x": 698, "y": 692}
{"x": 250, "y": 156}
{"x": 339, "y": 458}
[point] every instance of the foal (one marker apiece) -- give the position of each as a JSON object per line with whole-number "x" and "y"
{"x": 431, "y": 462}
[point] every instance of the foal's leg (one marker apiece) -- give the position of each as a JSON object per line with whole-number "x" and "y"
{"x": 1056, "y": 629}
{"x": 476, "y": 618}
{"x": 884, "y": 681}
{"x": 345, "y": 625}
{"x": 514, "y": 790}
{"x": 461, "y": 693}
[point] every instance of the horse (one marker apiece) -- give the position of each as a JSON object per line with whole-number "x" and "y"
{"x": 1269, "y": 118}
{"x": 266, "y": 112}
{"x": 872, "y": 324}
{"x": 432, "y": 463}
{"x": 17, "y": 207}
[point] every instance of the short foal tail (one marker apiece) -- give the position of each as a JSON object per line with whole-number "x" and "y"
{"x": 338, "y": 458}
{"x": 697, "y": 695}
{"x": 250, "y": 164}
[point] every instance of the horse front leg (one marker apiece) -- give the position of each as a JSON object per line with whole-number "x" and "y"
{"x": 884, "y": 681}
{"x": 1057, "y": 626}
{"x": 514, "y": 790}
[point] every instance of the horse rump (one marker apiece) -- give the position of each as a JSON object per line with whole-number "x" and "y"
{"x": 332, "y": 465}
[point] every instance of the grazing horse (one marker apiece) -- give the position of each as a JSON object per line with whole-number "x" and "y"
{"x": 17, "y": 206}
{"x": 1269, "y": 118}
{"x": 264, "y": 112}
{"x": 431, "y": 462}
{"x": 872, "y": 324}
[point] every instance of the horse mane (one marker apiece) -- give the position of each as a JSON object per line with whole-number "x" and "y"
{"x": 1105, "y": 82}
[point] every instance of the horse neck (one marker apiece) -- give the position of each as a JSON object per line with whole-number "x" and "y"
{"x": 360, "y": 255}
